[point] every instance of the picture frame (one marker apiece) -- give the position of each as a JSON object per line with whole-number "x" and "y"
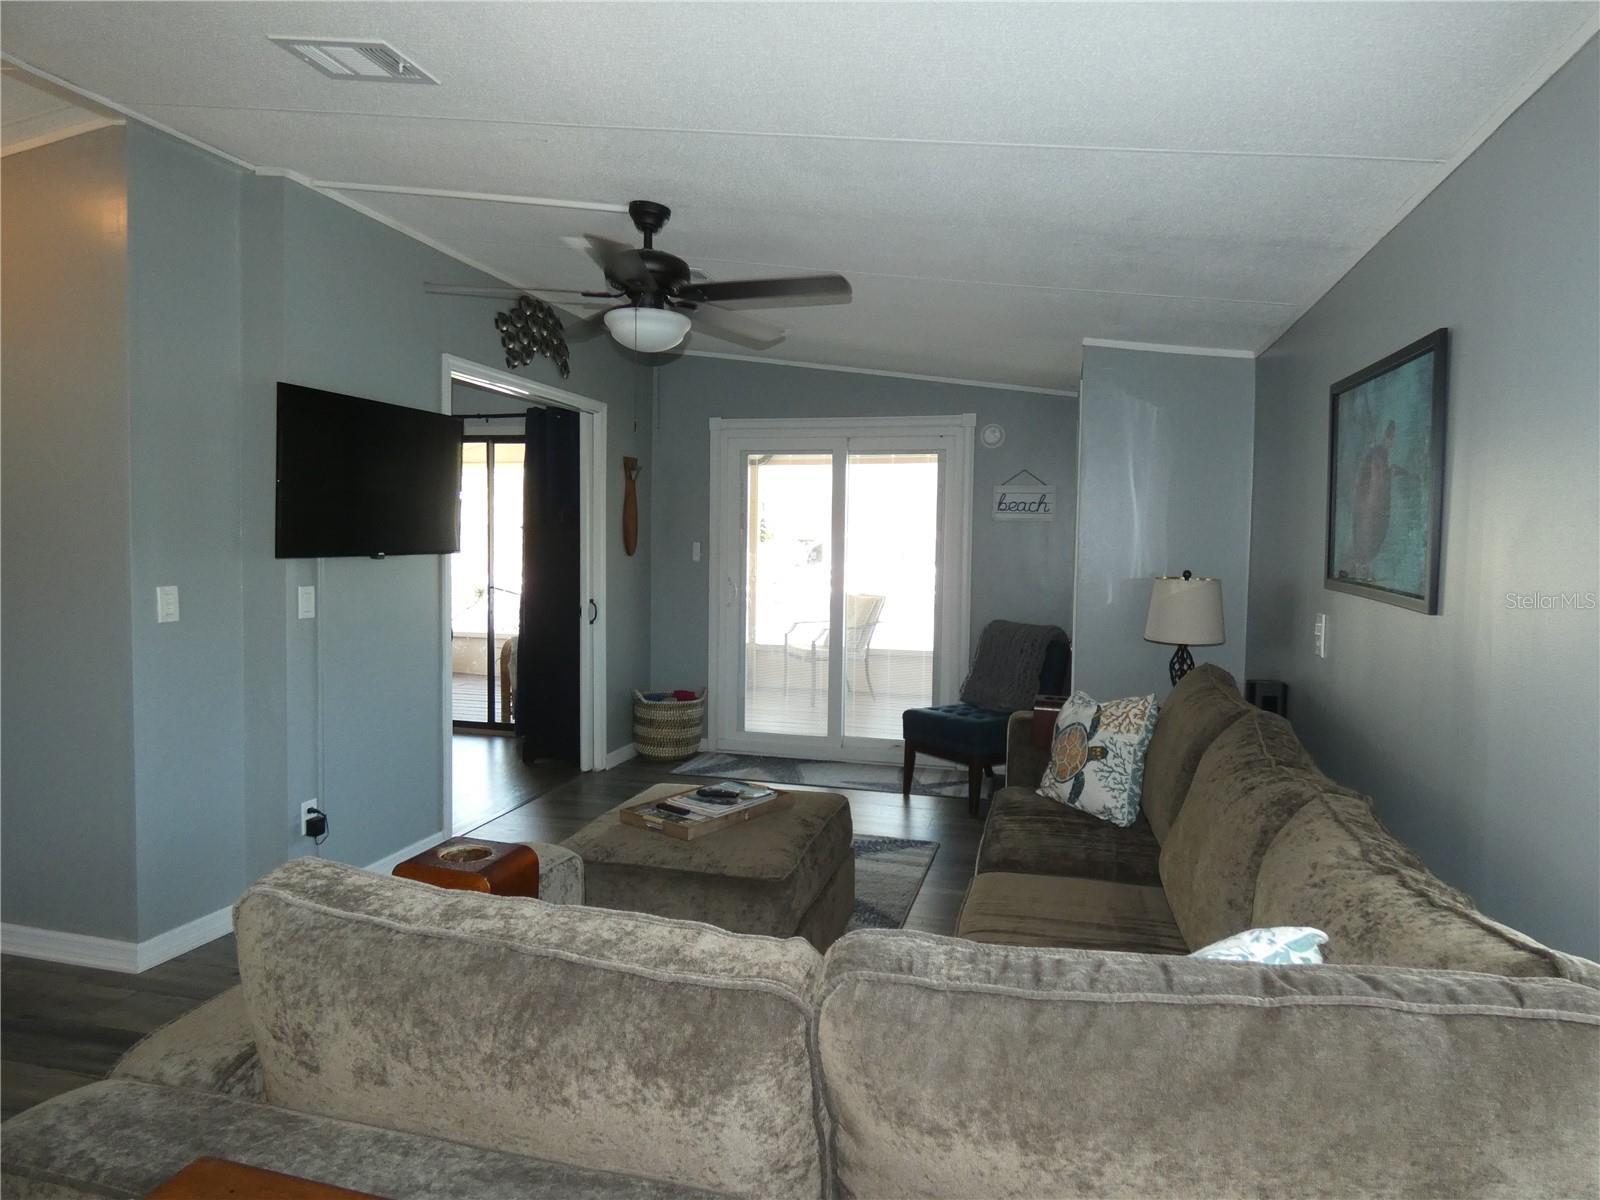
{"x": 1386, "y": 463}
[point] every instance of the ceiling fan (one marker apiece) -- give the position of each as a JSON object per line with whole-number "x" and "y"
{"x": 653, "y": 298}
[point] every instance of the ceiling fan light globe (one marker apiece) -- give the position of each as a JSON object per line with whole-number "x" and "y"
{"x": 647, "y": 330}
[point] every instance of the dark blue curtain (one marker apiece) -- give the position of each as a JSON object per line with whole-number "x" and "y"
{"x": 547, "y": 703}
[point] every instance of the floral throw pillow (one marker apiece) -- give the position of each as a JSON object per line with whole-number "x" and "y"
{"x": 1097, "y": 755}
{"x": 1279, "y": 945}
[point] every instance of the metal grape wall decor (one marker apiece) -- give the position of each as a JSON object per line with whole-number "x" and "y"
{"x": 531, "y": 328}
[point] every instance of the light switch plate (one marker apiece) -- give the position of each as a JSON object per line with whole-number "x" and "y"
{"x": 695, "y": 551}
{"x": 1320, "y": 633}
{"x": 308, "y": 602}
{"x": 166, "y": 604}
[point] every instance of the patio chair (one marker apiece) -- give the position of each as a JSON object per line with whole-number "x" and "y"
{"x": 973, "y": 736}
{"x": 808, "y": 641}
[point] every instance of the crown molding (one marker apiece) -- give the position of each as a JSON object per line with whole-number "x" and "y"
{"x": 60, "y": 134}
{"x": 811, "y": 366}
{"x": 1164, "y": 348}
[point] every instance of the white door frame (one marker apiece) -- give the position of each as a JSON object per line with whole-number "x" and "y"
{"x": 953, "y": 614}
{"x": 591, "y": 560}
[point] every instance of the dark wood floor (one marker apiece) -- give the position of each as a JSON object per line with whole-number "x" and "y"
{"x": 63, "y": 1026}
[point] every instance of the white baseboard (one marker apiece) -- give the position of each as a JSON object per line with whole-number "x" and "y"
{"x": 390, "y": 861}
{"x": 130, "y": 958}
{"x": 77, "y": 949}
{"x": 617, "y": 757}
{"x": 110, "y": 954}
{"x": 157, "y": 950}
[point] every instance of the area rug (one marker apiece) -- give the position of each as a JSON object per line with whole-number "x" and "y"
{"x": 866, "y": 777}
{"x": 889, "y": 874}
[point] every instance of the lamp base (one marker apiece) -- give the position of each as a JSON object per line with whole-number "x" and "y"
{"x": 1181, "y": 664}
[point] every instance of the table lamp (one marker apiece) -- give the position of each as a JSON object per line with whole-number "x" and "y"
{"x": 1184, "y": 611}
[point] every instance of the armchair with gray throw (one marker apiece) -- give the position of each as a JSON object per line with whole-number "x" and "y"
{"x": 1014, "y": 663}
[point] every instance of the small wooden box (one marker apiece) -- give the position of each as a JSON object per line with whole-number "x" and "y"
{"x": 477, "y": 865}
{"x": 1045, "y": 711}
{"x": 688, "y": 831}
{"x": 224, "y": 1179}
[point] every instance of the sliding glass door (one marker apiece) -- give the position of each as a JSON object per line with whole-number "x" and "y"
{"x": 486, "y": 584}
{"x": 842, "y": 592}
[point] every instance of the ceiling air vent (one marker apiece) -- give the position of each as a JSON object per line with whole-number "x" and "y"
{"x": 356, "y": 60}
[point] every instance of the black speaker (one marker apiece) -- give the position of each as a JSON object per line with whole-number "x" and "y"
{"x": 1269, "y": 694}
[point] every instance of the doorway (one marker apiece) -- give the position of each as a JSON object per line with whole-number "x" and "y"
{"x": 496, "y": 396}
{"x": 486, "y": 584}
{"x": 840, "y": 581}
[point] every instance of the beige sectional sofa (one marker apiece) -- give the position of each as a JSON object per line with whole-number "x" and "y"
{"x": 411, "y": 1042}
{"x": 1238, "y": 828}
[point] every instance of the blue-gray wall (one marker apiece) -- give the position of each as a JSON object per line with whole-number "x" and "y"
{"x": 154, "y": 297}
{"x": 183, "y": 378}
{"x": 1474, "y": 730}
{"x": 355, "y": 319}
{"x": 1021, "y": 570}
{"x": 66, "y": 661}
{"x": 1164, "y": 454}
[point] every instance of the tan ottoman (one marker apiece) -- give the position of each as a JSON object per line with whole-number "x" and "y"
{"x": 791, "y": 873}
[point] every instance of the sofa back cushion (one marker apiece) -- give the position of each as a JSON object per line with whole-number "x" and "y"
{"x": 1205, "y": 702}
{"x": 1252, "y": 778}
{"x": 1068, "y": 1073}
{"x": 1335, "y": 866}
{"x": 603, "y": 1039}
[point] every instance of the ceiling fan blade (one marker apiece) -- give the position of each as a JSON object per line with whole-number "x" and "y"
{"x": 618, "y": 260}
{"x": 735, "y": 327}
{"x": 789, "y": 289}
{"x": 576, "y": 328}
{"x": 449, "y": 289}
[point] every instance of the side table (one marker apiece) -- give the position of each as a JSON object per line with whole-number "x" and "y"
{"x": 224, "y": 1179}
{"x": 476, "y": 865}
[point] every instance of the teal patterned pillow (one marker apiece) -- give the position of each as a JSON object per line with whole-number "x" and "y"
{"x": 1280, "y": 945}
{"x": 1097, "y": 756}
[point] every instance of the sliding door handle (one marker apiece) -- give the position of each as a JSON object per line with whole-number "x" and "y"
{"x": 594, "y": 610}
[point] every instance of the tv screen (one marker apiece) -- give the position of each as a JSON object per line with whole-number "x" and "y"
{"x": 357, "y": 478}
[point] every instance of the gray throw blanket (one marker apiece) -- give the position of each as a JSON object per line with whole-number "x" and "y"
{"x": 1005, "y": 671}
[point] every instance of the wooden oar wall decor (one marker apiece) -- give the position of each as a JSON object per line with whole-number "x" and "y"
{"x": 630, "y": 506}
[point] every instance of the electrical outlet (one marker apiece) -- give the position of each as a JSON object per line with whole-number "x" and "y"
{"x": 1320, "y": 635}
{"x": 305, "y": 815}
{"x": 306, "y": 599}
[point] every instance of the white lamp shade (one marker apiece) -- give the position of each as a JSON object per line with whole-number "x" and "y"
{"x": 647, "y": 330}
{"x": 1185, "y": 612}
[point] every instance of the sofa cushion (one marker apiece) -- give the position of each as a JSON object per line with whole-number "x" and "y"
{"x": 1029, "y": 835}
{"x": 1250, "y": 781}
{"x": 958, "y": 728}
{"x": 1335, "y": 866}
{"x": 578, "y": 1035}
{"x": 210, "y": 1048}
{"x": 1053, "y": 910}
{"x": 1205, "y": 702}
{"x": 122, "y": 1138}
{"x": 1067, "y": 1074}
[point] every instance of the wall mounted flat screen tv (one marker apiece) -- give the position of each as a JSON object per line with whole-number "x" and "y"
{"x": 357, "y": 478}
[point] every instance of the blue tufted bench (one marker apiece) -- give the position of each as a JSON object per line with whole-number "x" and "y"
{"x": 975, "y": 736}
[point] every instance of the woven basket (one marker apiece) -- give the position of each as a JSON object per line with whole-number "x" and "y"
{"x": 667, "y": 729}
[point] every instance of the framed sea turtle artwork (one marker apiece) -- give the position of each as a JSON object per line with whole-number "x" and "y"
{"x": 1386, "y": 476}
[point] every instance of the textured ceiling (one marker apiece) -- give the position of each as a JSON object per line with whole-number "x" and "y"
{"x": 998, "y": 181}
